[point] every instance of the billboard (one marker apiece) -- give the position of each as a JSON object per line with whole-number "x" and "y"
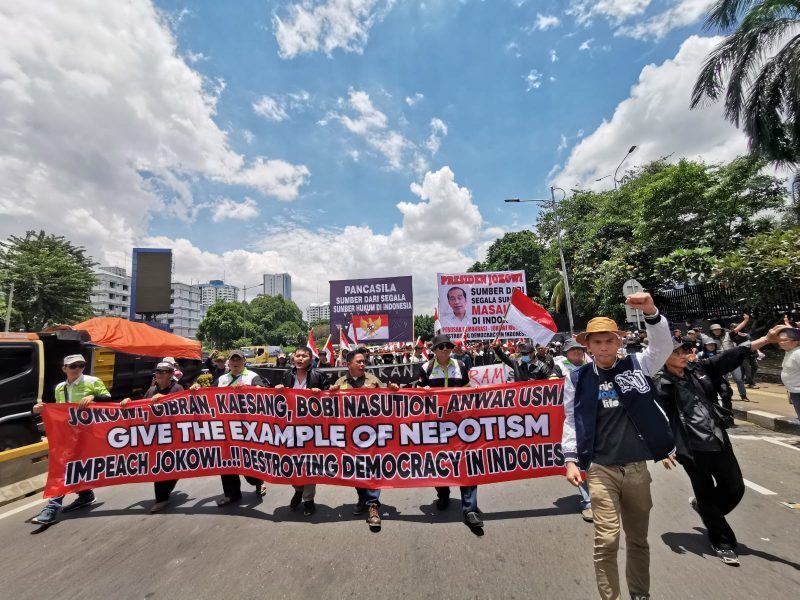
{"x": 477, "y": 302}
{"x": 151, "y": 281}
{"x": 380, "y": 310}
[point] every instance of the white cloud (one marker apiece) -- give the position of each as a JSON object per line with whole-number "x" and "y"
{"x": 657, "y": 119}
{"x": 325, "y": 25}
{"x": 586, "y": 45}
{"x": 686, "y": 12}
{"x": 412, "y": 100}
{"x": 442, "y": 222}
{"x": 553, "y": 56}
{"x": 513, "y": 48}
{"x": 195, "y": 57}
{"x": 248, "y": 136}
{"x": 545, "y": 22}
{"x": 533, "y": 80}
{"x": 562, "y": 145}
{"x": 231, "y": 209}
{"x": 104, "y": 123}
{"x": 615, "y": 11}
{"x": 438, "y": 131}
{"x": 270, "y": 109}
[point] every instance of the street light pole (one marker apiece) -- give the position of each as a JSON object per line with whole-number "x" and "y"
{"x": 561, "y": 254}
{"x": 620, "y": 164}
{"x": 244, "y": 301}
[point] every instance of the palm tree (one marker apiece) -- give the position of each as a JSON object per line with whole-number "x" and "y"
{"x": 553, "y": 286}
{"x": 760, "y": 57}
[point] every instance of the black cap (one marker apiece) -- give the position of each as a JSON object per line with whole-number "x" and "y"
{"x": 525, "y": 348}
{"x": 441, "y": 339}
{"x": 686, "y": 344}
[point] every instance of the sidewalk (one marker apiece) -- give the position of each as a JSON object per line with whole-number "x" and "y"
{"x": 768, "y": 407}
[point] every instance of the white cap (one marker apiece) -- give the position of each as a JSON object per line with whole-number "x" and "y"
{"x": 165, "y": 366}
{"x": 170, "y": 360}
{"x": 73, "y": 358}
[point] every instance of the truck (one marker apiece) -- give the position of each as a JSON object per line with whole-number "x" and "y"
{"x": 31, "y": 367}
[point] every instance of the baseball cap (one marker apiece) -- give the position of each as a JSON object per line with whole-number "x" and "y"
{"x": 165, "y": 366}
{"x": 234, "y": 353}
{"x": 715, "y": 326}
{"x": 73, "y": 358}
{"x": 571, "y": 345}
{"x": 681, "y": 344}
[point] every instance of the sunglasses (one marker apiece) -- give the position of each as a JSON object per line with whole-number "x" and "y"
{"x": 444, "y": 347}
{"x": 163, "y": 371}
{"x": 76, "y": 366}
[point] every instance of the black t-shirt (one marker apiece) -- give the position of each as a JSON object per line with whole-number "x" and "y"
{"x": 173, "y": 388}
{"x": 616, "y": 441}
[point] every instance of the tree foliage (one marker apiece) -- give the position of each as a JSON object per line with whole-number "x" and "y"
{"x": 423, "y": 327}
{"x": 515, "y": 251}
{"x": 52, "y": 280}
{"x": 223, "y": 324}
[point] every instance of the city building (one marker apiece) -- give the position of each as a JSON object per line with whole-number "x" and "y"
{"x": 278, "y": 284}
{"x": 216, "y": 289}
{"x": 318, "y": 312}
{"x": 111, "y": 294}
{"x": 187, "y": 310}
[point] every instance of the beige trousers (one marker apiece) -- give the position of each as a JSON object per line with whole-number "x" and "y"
{"x": 621, "y": 494}
{"x": 309, "y": 491}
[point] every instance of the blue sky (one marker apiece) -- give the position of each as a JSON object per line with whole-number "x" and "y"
{"x": 336, "y": 138}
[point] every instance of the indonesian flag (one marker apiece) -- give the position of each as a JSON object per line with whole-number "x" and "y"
{"x": 423, "y": 348}
{"x": 372, "y": 327}
{"x": 437, "y": 324}
{"x": 464, "y": 337}
{"x": 351, "y": 333}
{"x": 329, "y": 351}
{"x": 311, "y": 345}
{"x": 530, "y": 318}
{"x": 343, "y": 343}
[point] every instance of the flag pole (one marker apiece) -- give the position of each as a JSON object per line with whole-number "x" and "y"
{"x": 503, "y": 322}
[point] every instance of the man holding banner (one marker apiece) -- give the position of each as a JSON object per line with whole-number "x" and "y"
{"x": 358, "y": 377}
{"x": 612, "y": 426}
{"x": 443, "y": 372}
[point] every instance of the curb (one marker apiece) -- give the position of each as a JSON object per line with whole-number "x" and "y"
{"x": 767, "y": 420}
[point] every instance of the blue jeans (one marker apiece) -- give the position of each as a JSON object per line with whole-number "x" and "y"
{"x": 368, "y": 497}
{"x": 738, "y": 379}
{"x": 586, "y": 502}
{"x": 469, "y": 497}
{"x": 56, "y": 502}
{"x": 794, "y": 397}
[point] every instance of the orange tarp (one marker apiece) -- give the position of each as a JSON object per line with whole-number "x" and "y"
{"x": 138, "y": 338}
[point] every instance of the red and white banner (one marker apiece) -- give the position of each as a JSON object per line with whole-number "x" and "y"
{"x": 375, "y": 438}
{"x": 312, "y": 345}
{"x": 530, "y": 318}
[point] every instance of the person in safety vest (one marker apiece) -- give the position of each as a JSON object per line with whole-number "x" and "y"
{"x": 82, "y": 390}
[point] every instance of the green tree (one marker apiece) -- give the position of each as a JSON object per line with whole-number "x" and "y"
{"x": 423, "y": 326}
{"x": 224, "y": 323}
{"x": 515, "y": 251}
{"x": 322, "y": 329}
{"x": 52, "y": 280}
{"x": 759, "y": 59}
{"x": 268, "y": 313}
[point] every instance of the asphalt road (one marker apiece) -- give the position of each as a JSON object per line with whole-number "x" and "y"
{"x": 535, "y": 544}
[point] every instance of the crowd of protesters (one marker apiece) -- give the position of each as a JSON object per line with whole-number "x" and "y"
{"x": 657, "y": 394}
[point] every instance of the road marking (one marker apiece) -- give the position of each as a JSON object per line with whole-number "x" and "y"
{"x": 780, "y": 443}
{"x": 763, "y": 413}
{"x": 19, "y": 509}
{"x": 759, "y": 489}
{"x": 764, "y": 438}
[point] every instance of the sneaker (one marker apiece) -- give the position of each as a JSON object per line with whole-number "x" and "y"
{"x": 80, "y": 502}
{"x": 46, "y": 517}
{"x": 442, "y": 502}
{"x": 261, "y": 490}
{"x": 374, "y": 517}
{"x": 473, "y": 520}
{"x": 226, "y": 500}
{"x": 693, "y": 504}
{"x": 752, "y": 386}
{"x": 159, "y": 506}
{"x": 297, "y": 498}
{"x": 744, "y": 399}
{"x": 587, "y": 515}
{"x": 727, "y": 555}
{"x": 309, "y": 508}
{"x": 359, "y": 509}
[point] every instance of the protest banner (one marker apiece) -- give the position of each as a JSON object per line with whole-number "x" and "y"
{"x": 485, "y": 375}
{"x": 380, "y": 310}
{"x": 375, "y": 438}
{"x": 477, "y": 302}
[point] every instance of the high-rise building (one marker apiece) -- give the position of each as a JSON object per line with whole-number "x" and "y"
{"x": 318, "y": 312}
{"x": 216, "y": 289}
{"x": 278, "y": 284}
{"x": 111, "y": 294}
{"x": 187, "y": 311}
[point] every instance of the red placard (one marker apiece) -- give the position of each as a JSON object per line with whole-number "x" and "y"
{"x": 373, "y": 438}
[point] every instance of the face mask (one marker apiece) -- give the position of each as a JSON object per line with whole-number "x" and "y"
{"x": 525, "y": 358}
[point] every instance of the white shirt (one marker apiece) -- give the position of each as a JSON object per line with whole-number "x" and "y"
{"x": 790, "y": 370}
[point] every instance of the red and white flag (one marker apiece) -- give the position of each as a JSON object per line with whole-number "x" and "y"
{"x": 343, "y": 343}
{"x": 311, "y": 345}
{"x": 463, "y": 339}
{"x": 530, "y": 318}
{"x": 437, "y": 324}
{"x": 330, "y": 351}
{"x": 351, "y": 333}
{"x": 423, "y": 348}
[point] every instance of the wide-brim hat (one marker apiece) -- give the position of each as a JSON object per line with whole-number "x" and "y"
{"x": 715, "y": 326}
{"x": 442, "y": 338}
{"x": 599, "y": 325}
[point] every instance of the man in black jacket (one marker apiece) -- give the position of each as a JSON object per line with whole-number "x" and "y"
{"x": 444, "y": 371}
{"x": 529, "y": 367}
{"x": 303, "y": 377}
{"x": 688, "y": 394}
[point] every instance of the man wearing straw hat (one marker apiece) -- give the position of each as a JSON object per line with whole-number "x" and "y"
{"x": 613, "y": 425}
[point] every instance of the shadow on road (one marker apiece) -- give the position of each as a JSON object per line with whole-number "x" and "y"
{"x": 698, "y": 544}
